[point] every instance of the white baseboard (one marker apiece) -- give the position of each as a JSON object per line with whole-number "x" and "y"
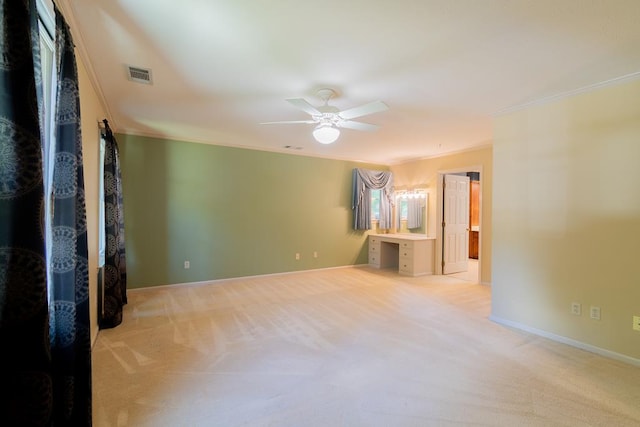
{"x": 564, "y": 340}
{"x": 228, "y": 279}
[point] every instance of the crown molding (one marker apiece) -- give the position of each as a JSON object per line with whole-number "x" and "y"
{"x": 66, "y": 8}
{"x": 562, "y": 95}
{"x": 482, "y": 146}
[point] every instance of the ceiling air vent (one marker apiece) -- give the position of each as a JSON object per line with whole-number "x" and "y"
{"x": 140, "y": 75}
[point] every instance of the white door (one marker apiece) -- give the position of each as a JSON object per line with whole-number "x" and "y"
{"x": 455, "y": 250}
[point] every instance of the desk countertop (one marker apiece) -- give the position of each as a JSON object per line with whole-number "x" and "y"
{"x": 404, "y": 236}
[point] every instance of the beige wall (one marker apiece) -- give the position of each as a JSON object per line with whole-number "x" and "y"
{"x": 424, "y": 174}
{"x": 566, "y": 213}
{"x": 91, "y": 110}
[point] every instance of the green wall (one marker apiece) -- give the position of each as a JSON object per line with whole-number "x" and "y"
{"x": 232, "y": 212}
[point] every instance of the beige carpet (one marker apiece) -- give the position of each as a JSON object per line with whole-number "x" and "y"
{"x": 345, "y": 347}
{"x": 471, "y": 275}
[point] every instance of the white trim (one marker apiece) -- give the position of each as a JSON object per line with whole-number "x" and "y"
{"x": 102, "y": 238}
{"x": 564, "y": 340}
{"x": 66, "y": 8}
{"x": 47, "y": 15}
{"x": 482, "y": 146}
{"x": 231, "y": 279}
{"x": 570, "y": 93}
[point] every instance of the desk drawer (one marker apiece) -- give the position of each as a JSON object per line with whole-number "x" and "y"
{"x": 405, "y": 266}
{"x": 374, "y": 259}
{"x": 406, "y": 245}
{"x": 374, "y": 245}
{"x": 405, "y": 253}
{"x": 406, "y": 260}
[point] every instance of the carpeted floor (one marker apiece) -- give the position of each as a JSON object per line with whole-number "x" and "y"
{"x": 471, "y": 275}
{"x": 345, "y": 347}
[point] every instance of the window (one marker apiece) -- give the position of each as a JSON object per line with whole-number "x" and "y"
{"x": 403, "y": 209}
{"x": 371, "y": 201}
{"x": 102, "y": 238}
{"x": 47, "y": 55}
{"x": 375, "y": 204}
{"x": 47, "y": 50}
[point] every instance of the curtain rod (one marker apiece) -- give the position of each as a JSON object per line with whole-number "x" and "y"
{"x": 104, "y": 124}
{"x": 105, "y": 129}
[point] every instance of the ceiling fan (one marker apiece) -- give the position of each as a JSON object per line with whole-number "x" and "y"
{"x": 329, "y": 118}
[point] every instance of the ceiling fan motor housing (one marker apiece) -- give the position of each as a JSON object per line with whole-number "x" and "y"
{"x": 326, "y": 94}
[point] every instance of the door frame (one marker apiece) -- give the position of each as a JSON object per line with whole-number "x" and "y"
{"x": 440, "y": 206}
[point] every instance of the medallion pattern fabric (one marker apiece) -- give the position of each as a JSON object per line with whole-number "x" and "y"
{"x": 115, "y": 268}
{"x": 26, "y": 383}
{"x": 69, "y": 307}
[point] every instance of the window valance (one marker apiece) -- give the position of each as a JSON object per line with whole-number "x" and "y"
{"x": 364, "y": 181}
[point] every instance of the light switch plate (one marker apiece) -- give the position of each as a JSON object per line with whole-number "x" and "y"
{"x": 576, "y": 308}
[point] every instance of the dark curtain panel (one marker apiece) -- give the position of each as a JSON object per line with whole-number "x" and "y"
{"x": 115, "y": 270}
{"x": 25, "y": 380}
{"x": 69, "y": 307}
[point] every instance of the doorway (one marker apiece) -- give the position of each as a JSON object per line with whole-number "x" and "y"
{"x": 473, "y": 272}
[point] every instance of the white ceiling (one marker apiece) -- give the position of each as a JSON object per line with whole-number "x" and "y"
{"x": 444, "y": 67}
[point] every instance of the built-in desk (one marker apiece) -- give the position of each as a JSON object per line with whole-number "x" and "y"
{"x": 410, "y": 254}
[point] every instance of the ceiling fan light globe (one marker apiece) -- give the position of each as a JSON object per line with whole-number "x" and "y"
{"x": 326, "y": 134}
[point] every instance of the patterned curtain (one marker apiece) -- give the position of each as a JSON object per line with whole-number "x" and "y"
{"x": 25, "y": 364}
{"x": 69, "y": 287}
{"x": 45, "y": 362}
{"x": 115, "y": 268}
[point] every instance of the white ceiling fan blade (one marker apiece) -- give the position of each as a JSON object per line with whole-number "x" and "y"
{"x": 304, "y": 106}
{"x": 349, "y": 124}
{"x": 363, "y": 110}
{"x": 288, "y": 122}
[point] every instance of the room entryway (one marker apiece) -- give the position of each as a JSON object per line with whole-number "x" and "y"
{"x": 472, "y": 227}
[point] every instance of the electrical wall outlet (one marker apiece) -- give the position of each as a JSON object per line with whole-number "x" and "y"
{"x": 636, "y": 323}
{"x": 315, "y": 254}
{"x": 297, "y": 256}
{"x": 595, "y": 312}
{"x": 576, "y": 308}
{"x": 187, "y": 265}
